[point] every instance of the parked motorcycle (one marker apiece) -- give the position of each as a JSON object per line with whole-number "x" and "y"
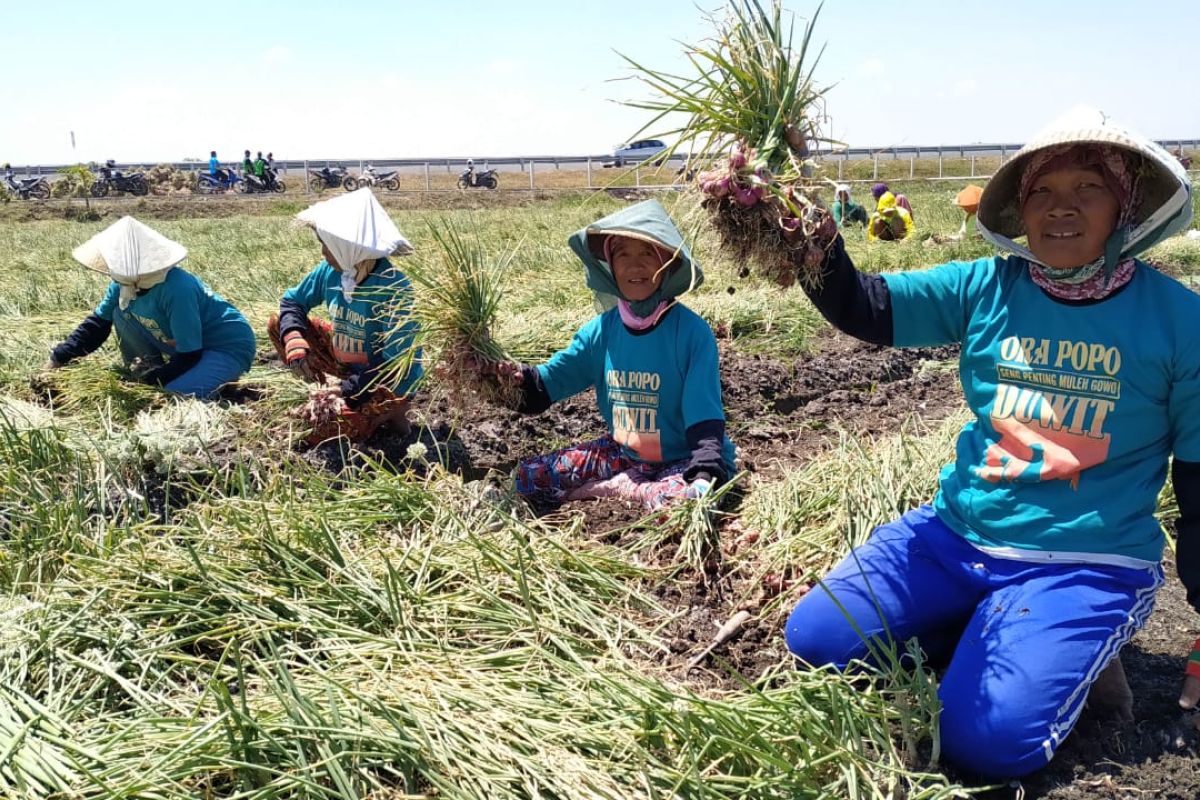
{"x": 26, "y": 188}
{"x": 270, "y": 183}
{"x": 470, "y": 179}
{"x": 111, "y": 179}
{"x": 326, "y": 178}
{"x": 370, "y": 177}
{"x": 224, "y": 181}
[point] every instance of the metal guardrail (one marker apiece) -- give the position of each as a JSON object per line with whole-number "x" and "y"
{"x": 522, "y": 162}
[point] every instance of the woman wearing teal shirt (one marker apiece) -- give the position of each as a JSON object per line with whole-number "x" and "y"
{"x": 172, "y": 329}
{"x": 366, "y": 346}
{"x": 654, "y": 367}
{"x": 1039, "y": 556}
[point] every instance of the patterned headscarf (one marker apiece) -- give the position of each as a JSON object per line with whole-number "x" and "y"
{"x": 1119, "y": 174}
{"x": 1100, "y": 278}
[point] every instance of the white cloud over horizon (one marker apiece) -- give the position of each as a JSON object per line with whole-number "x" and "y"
{"x": 278, "y": 54}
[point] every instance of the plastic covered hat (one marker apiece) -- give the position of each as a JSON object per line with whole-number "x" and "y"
{"x": 135, "y": 256}
{"x": 356, "y": 230}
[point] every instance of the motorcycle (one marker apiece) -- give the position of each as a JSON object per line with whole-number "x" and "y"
{"x": 225, "y": 180}
{"x": 111, "y": 179}
{"x": 370, "y": 177}
{"x": 26, "y": 188}
{"x": 469, "y": 179}
{"x": 326, "y": 178}
{"x": 269, "y": 183}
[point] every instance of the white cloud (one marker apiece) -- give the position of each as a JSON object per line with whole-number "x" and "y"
{"x": 872, "y": 68}
{"x": 502, "y": 68}
{"x": 278, "y": 54}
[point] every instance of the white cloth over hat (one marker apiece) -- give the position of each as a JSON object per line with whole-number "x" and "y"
{"x": 355, "y": 228}
{"x": 134, "y": 255}
{"x": 1164, "y": 194}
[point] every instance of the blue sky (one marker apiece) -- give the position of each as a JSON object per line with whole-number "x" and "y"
{"x": 148, "y": 81}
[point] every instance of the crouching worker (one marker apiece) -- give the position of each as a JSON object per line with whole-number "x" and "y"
{"x": 364, "y": 353}
{"x": 173, "y": 331}
{"x": 653, "y": 364}
{"x": 891, "y": 222}
{"x": 845, "y": 210}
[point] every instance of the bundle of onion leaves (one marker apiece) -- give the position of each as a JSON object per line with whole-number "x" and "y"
{"x": 459, "y": 288}
{"x": 752, "y": 113}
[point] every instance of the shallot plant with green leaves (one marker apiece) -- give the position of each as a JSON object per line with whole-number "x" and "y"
{"x": 752, "y": 111}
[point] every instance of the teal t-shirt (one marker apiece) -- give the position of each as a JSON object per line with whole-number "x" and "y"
{"x": 372, "y": 329}
{"x": 650, "y": 387}
{"x": 1077, "y": 407}
{"x": 848, "y": 212}
{"x": 182, "y": 315}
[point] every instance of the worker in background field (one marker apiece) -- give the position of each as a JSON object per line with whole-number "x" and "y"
{"x": 890, "y": 222}
{"x": 845, "y": 210}
{"x": 880, "y": 189}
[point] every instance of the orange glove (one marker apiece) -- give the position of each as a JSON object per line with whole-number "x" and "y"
{"x": 295, "y": 347}
{"x": 295, "y": 356}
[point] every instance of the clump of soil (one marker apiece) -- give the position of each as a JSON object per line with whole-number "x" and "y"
{"x": 415, "y": 451}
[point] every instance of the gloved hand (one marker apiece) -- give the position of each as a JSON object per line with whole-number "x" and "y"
{"x": 699, "y": 487}
{"x": 1189, "y": 698}
{"x": 140, "y": 368}
{"x": 295, "y": 355}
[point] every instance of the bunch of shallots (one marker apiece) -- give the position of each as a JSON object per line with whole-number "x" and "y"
{"x": 322, "y": 407}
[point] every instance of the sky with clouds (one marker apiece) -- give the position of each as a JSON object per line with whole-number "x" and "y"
{"x": 152, "y": 81}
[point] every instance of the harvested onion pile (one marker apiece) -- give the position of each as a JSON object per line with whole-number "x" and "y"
{"x": 321, "y": 408}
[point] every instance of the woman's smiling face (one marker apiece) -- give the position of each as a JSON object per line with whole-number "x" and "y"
{"x": 637, "y": 268}
{"x": 1069, "y": 214}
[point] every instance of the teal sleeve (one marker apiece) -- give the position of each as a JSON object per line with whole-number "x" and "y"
{"x": 932, "y": 307}
{"x": 572, "y": 369}
{"x": 310, "y": 292}
{"x": 183, "y": 312}
{"x": 1183, "y": 403}
{"x": 701, "y": 378}
{"x": 108, "y": 304}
